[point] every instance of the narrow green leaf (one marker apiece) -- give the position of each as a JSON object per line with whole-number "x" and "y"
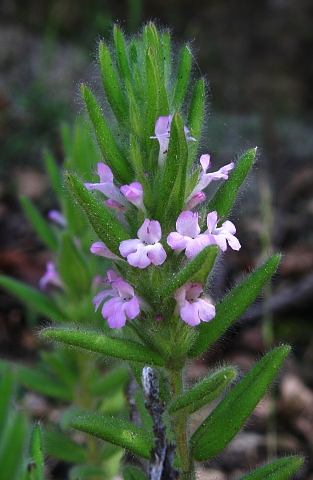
{"x": 54, "y": 174}
{"x": 108, "y": 229}
{"x": 233, "y": 306}
{"x": 118, "y": 378}
{"x": 86, "y": 471}
{"x": 73, "y": 267}
{"x": 224, "y": 198}
{"x": 152, "y": 96}
{"x": 111, "y": 85}
{"x": 33, "y": 297}
{"x": 60, "y": 367}
{"x": 220, "y": 427}
{"x": 154, "y": 41}
{"x": 100, "y": 343}
{"x": 59, "y": 446}
{"x": 38, "y": 381}
{"x": 206, "y": 391}
{"x": 118, "y": 432}
{"x": 6, "y": 391}
{"x": 133, "y": 473}
{"x": 195, "y": 119}
{"x": 172, "y": 194}
{"x": 182, "y": 78}
{"x": 43, "y": 229}
{"x": 36, "y": 452}
{"x": 166, "y": 43}
{"x": 112, "y": 154}
{"x": 163, "y": 108}
{"x": 121, "y": 54}
{"x": 281, "y": 469}
{"x": 205, "y": 257}
{"x": 11, "y": 445}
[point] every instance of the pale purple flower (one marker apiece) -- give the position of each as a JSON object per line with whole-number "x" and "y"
{"x": 162, "y": 134}
{"x": 195, "y": 200}
{"x": 206, "y": 178}
{"x": 221, "y": 235}
{"x": 99, "y": 248}
{"x": 134, "y": 194}
{"x": 123, "y": 304}
{"x": 107, "y": 187}
{"x": 51, "y": 277}
{"x": 192, "y": 308}
{"x": 188, "y": 235}
{"x": 146, "y": 249}
{"x": 57, "y": 217}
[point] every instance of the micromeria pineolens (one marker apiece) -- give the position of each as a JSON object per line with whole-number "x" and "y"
{"x": 151, "y": 209}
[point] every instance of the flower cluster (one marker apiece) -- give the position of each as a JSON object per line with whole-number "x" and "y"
{"x": 148, "y": 249}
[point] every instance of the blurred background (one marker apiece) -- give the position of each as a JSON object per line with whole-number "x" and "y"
{"x": 257, "y": 59}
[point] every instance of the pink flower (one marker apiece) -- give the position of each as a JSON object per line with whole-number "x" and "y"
{"x": 107, "y": 187}
{"x": 146, "y": 249}
{"x": 99, "y": 248}
{"x": 188, "y": 235}
{"x": 192, "y": 308}
{"x": 123, "y": 305}
{"x": 162, "y": 134}
{"x": 57, "y": 217}
{"x": 206, "y": 178}
{"x": 221, "y": 235}
{"x": 134, "y": 194}
{"x": 195, "y": 200}
{"x": 51, "y": 277}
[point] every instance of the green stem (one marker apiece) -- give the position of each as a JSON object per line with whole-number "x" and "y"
{"x": 180, "y": 429}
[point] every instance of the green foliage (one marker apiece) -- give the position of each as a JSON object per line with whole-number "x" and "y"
{"x": 220, "y": 427}
{"x": 103, "y": 344}
{"x": 140, "y": 86}
{"x": 281, "y": 469}
{"x": 120, "y": 433}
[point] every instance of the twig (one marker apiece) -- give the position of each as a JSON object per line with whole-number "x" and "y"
{"x": 162, "y": 455}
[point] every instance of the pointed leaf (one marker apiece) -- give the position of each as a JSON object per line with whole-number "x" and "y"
{"x": 195, "y": 118}
{"x": 11, "y": 446}
{"x": 108, "y": 229}
{"x": 36, "y": 452}
{"x": 111, "y": 84}
{"x": 100, "y": 343}
{"x": 43, "y": 229}
{"x": 205, "y": 257}
{"x": 281, "y": 469}
{"x": 152, "y": 96}
{"x": 118, "y": 432}
{"x": 121, "y": 54}
{"x": 6, "y": 391}
{"x": 182, "y": 79}
{"x": 224, "y": 198}
{"x": 116, "y": 379}
{"x": 38, "y": 381}
{"x": 86, "y": 471}
{"x": 59, "y": 446}
{"x": 133, "y": 473}
{"x": 172, "y": 194}
{"x": 220, "y": 427}
{"x": 233, "y": 306}
{"x": 166, "y": 43}
{"x": 40, "y": 302}
{"x": 54, "y": 174}
{"x": 112, "y": 154}
{"x": 206, "y": 391}
{"x": 73, "y": 267}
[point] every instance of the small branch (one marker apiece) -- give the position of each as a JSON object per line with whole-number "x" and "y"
{"x": 162, "y": 455}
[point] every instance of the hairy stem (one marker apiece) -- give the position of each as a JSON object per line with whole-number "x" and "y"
{"x": 180, "y": 429}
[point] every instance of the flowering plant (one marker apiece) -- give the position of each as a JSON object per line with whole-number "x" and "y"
{"x": 152, "y": 220}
